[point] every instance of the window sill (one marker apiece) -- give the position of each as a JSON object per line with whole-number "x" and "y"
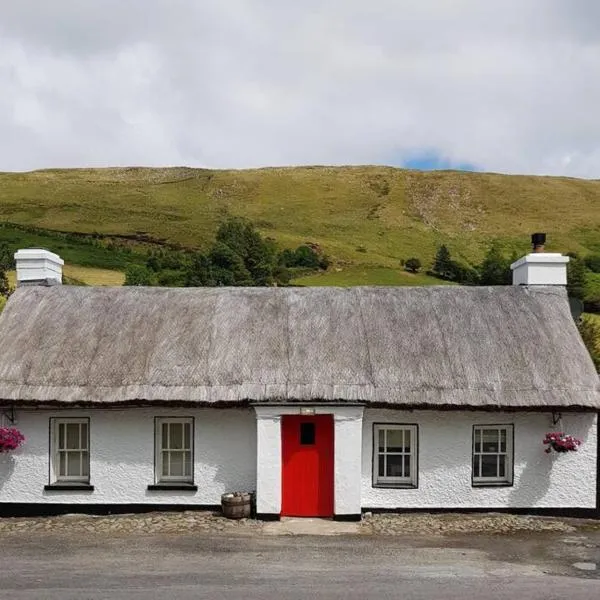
{"x": 180, "y": 487}
{"x": 69, "y": 487}
{"x": 396, "y": 486}
{"x": 492, "y": 484}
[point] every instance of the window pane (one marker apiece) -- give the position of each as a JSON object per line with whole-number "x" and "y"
{"x": 307, "y": 434}
{"x": 165, "y": 463}
{"x": 407, "y": 465}
{"x": 502, "y": 466}
{"x": 84, "y": 436}
{"x": 73, "y": 464}
{"x": 478, "y": 440}
{"x": 165, "y": 436}
{"x": 382, "y": 441}
{"x": 62, "y": 464}
{"x": 187, "y": 465}
{"x": 187, "y": 441}
{"x": 407, "y": 440}
{"x": 176, "y": 464}
{"x": 490, "y": 440}
{"x": 72, "y": 436}
{"x": 477, "y": 465}
{"x": 395, "y": 440}
{"x": 489, "y": 464}
{"x": 503, "y": 440}
{"x": 176, "y": 436}
{"x": 381, "y": 465}
{"x": 394, "y": 465}
{"x": 61, "y": 435}
{"x": 85, "y": 464}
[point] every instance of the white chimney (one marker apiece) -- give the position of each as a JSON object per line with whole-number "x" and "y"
{"x": 38, "y": 267}
{"x": 539, "y": 267}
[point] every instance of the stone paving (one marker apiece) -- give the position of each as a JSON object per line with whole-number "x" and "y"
{"x": 190, "y": 522}
{"x": 487, "y": 523}
{"x": 145, "y": 523}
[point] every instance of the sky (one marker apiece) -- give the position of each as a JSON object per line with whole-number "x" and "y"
{"x": 510, "y": 86}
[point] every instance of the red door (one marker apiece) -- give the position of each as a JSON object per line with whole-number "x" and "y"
{"x": 307, "y": 477}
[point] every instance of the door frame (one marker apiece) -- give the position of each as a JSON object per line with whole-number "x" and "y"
{"x": 324, "y": 474}
{"x": 348, "y": 457}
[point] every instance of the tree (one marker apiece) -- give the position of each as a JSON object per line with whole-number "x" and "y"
{"x": 4, "y": 286}
{"x": 576, "y": 278}
{"x": 463, "y": 274}
{"x": 495, "y": 269}
{"x": 592, "y": 262}
{"x": 589, "y": 328}
{"x": 228, "y": 267}
{"x": 200, "y": 272}
{"x": 303, "y": 256}
{"x": 7, "y": 261}
{"x": 258, "y": 255}
{"x": 413, "y": 265}
{"x": 139, "y": 275}
{"x": 442, "y": 265}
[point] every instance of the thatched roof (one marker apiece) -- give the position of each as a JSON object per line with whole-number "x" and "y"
{"x": 425, "y": 346}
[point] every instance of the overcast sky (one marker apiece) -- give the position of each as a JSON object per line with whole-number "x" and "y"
{"x": 509, "y": 86}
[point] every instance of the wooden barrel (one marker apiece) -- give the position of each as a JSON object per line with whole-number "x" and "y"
{"x": 237, "y": 505}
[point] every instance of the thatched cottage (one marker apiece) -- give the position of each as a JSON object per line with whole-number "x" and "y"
{"x": 324, "y": 401}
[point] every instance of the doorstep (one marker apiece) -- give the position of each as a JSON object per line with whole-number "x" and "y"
{"x": 310, "y": 526}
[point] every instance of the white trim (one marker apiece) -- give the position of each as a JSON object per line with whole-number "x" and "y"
{"x": 347, "y": 456}
{"x": 159, "y": 451}
{"x": 411, "y": 479}
{"x": 56, "y": 450}
{"x": 507, "y": 453}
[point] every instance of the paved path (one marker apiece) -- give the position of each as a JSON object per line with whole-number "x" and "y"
{"x": 64, "y": 566}
{"x": 293, "y": 526}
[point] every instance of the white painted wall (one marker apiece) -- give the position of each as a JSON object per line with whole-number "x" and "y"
{"x": 540, "y": 268}
{"x": 231, "y": 445}
{"x": 122, "y": 457}
{"x": 445, "y": 443}
{"x": 347, "y": 459}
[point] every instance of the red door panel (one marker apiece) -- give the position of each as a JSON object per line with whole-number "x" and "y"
{"x": 307, "y": 470}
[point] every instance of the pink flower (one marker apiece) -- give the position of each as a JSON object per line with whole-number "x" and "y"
{"x": 561, "y": 442}
{"x": 10, "y": 438}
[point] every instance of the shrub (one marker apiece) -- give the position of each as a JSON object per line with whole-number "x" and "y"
{"x": 592, "y": 262}
{"x": 413, "y": 265}
{"x": 138, "y": 275}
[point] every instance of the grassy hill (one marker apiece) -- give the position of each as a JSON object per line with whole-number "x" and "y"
{"x": 365, "y": 218}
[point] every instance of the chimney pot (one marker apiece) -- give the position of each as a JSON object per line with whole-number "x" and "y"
{"x": 538, "y": 241}
{"x": 36, "y": 266}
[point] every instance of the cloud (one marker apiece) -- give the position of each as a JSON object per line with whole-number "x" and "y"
{"x": 508, "y": 86}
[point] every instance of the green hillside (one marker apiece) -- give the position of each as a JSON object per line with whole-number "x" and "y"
{"x": 364, "y": 218}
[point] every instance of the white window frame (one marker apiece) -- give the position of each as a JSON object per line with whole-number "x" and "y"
{"x": 56, "y": 450}
{"x": 478, "y": 480}
{"x": 387, "y": 481}
{"x": 159, "y": 450}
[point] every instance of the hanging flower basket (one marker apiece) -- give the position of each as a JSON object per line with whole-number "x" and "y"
{"x": 561, "y": 442}
{"x": 10, "y": 439}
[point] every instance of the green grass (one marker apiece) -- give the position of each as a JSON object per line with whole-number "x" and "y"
{"x": 75, "y": 249}
{"x": 83, "y": 276}
{"x": 367, "y": 275}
